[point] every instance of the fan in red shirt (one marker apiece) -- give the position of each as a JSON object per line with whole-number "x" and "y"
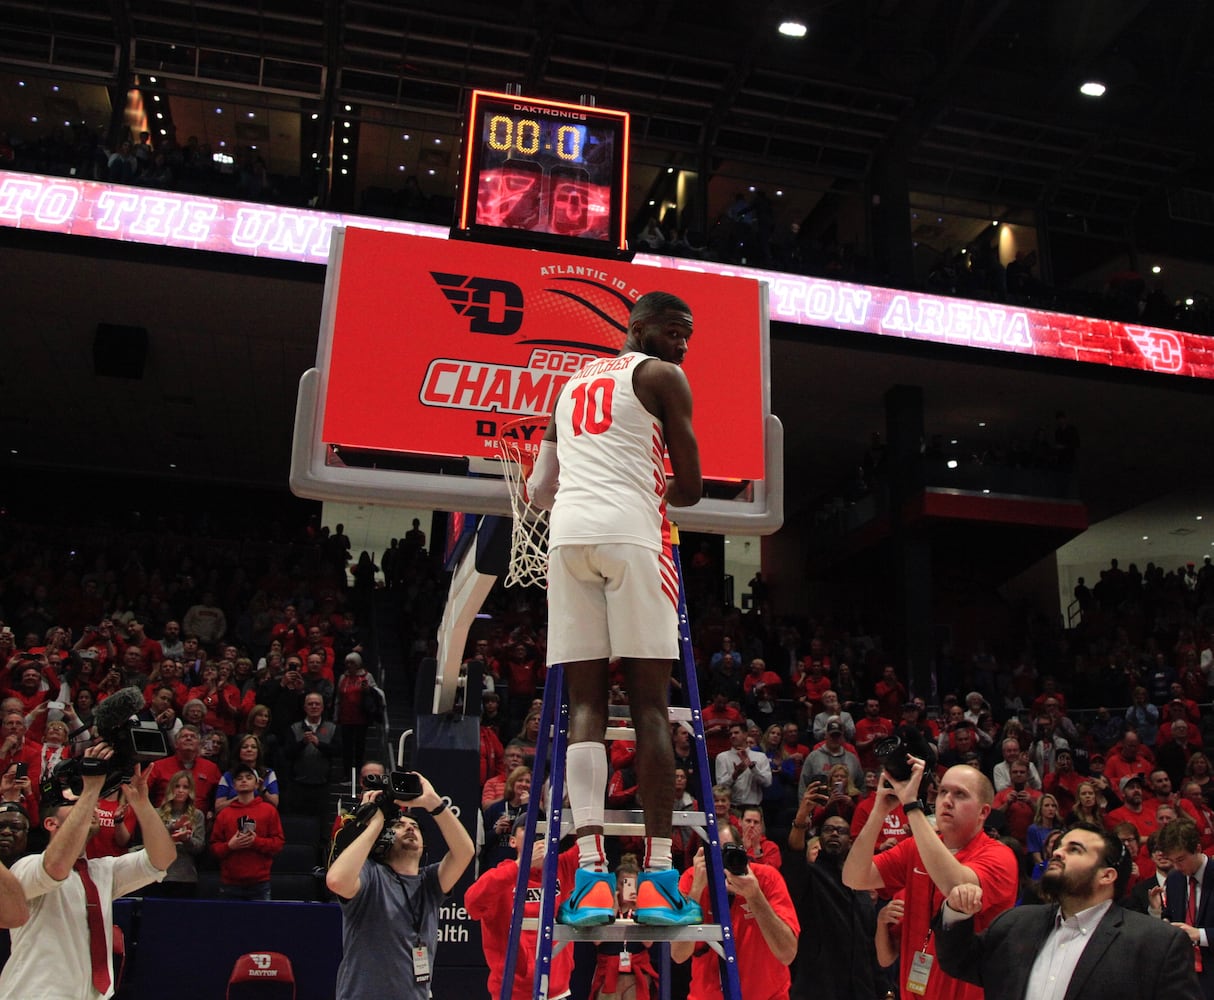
{"x": 871, "y": 728}
{"x": 1063, "y": 782}
{"x": 1134, "y": 811}
{"x": 718, "y": 717}
{"x": 247, "y": 836}
{"x": 1127, "y": 758}
{"x": 754, "y": 838}
{"x": 891, "y": 693}
{"x": 1194, "y": 803}
{"x": 222, "y": 701}
{"x": 35, "y": 683}
{"x": 814, "y": 685}
{"x": 152, "y": 651}
{"x": 756, "y": 674}
{"x": 185, "y": 758}
{"x": 16, "y": 749}
{"x": 1018, "y": 802}
{"x": 765, "y": 928}
{"x": 490, "y": 899}
{"x": 290, "y": 631}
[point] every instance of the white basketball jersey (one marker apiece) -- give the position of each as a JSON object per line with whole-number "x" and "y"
{"x": 610, "y": 451}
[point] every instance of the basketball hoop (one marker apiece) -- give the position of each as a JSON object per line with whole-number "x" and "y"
{"x": 518, "y": 445}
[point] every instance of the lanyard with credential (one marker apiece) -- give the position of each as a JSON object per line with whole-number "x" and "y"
{"x": 416, "y": 904}
{"x": 417, "y": 911}
{"x": 922, "y": 961}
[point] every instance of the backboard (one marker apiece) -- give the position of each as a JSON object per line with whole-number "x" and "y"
{"x": 426, "y": 346}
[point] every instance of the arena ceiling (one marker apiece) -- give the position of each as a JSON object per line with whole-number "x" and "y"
{"x": 966, "y": 98}
{"x": 969, "y": 99}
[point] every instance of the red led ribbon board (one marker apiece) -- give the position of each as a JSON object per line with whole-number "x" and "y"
{"x": 434, "y": 345}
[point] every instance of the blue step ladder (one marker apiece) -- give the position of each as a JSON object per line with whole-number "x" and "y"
{"x": 550, "y": 765}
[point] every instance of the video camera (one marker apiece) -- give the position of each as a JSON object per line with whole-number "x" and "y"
{"x": 402, "y": 786}
{"x": 133, "y": 741}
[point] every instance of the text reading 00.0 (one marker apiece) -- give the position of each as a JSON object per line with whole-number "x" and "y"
{"x": 526, "y": 135}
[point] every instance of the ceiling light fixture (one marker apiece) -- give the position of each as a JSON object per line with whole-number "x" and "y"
{"x": 793, "y": 29}
{"x": 1156, "y": 269}
{"x": 1092, "y": 88}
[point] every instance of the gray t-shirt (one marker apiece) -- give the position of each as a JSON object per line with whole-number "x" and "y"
{"x": 389, "y": 916}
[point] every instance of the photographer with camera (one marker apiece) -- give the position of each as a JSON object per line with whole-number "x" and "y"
{"x": 66, "y": 947}
{"x": 932, "y": 862}
{"x": 390, "y": 903}
{"x": 765, "y": 925}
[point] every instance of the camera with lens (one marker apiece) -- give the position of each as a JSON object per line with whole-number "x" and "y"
{"x": 733, "y": 857}
{"x": 397, "y": 786}
{"x": 400, "y": 786}
{"x": 133, "y": 740}
{"x": 894, "y": 752}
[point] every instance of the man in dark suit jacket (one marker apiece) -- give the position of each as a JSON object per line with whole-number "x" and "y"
{"x": 1142, "y": 898}
{"x": 1182, "y": 846}
{"x": 1104, "y": 951}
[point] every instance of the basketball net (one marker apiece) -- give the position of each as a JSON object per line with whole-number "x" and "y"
{"x": 529, "y": 527}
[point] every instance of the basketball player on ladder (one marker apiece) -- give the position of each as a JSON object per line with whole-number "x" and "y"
{"x": 612, "y": 586}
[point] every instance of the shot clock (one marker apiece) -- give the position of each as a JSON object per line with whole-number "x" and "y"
{"x": 544, "y": 174}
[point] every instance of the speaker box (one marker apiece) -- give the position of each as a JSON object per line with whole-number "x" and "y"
{"x": 120, "y": 351}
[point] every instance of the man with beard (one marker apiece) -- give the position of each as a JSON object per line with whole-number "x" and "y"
{"x": 835, "y": 954}
{"x": 1082, "y": 947}
{"x": 390, "y": 903}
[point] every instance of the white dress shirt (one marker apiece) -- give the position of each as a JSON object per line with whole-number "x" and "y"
{"x": 1063, "y": 947}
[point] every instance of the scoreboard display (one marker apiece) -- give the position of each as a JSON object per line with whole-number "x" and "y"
{"x": 544, "y": 174}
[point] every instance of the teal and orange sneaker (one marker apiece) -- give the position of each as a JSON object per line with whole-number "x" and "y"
{"x": 592, "y": 902}
{"x": 659, "y": 902}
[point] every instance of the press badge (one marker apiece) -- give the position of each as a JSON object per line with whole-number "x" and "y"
{"x": 920, "y": 970}
{"x": 625, "y": 961}
{"x": 421, "y": 964}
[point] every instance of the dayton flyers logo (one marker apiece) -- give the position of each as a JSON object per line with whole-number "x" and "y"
{"x": 1161, "y": 348}
{"x": 479, "y": 298}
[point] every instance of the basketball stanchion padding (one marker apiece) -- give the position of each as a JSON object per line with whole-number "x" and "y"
{"x": 518, "y": 445}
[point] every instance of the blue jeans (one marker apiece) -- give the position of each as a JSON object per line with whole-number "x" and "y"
{"x": 258, "y": 892}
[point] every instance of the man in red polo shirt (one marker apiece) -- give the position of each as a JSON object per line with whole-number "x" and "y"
{"x": 930, "y": 864}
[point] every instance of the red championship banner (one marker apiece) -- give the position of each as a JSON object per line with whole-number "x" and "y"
{"x": 435, "y": 344}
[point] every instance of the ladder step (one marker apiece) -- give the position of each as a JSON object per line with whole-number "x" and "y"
{"x": 673, "y": 713}
{"x": 626, "y": 822}
{"x": 629, "y": 930}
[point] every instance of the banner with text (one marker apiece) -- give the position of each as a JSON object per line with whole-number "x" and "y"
{"x": 168, "y": 218}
